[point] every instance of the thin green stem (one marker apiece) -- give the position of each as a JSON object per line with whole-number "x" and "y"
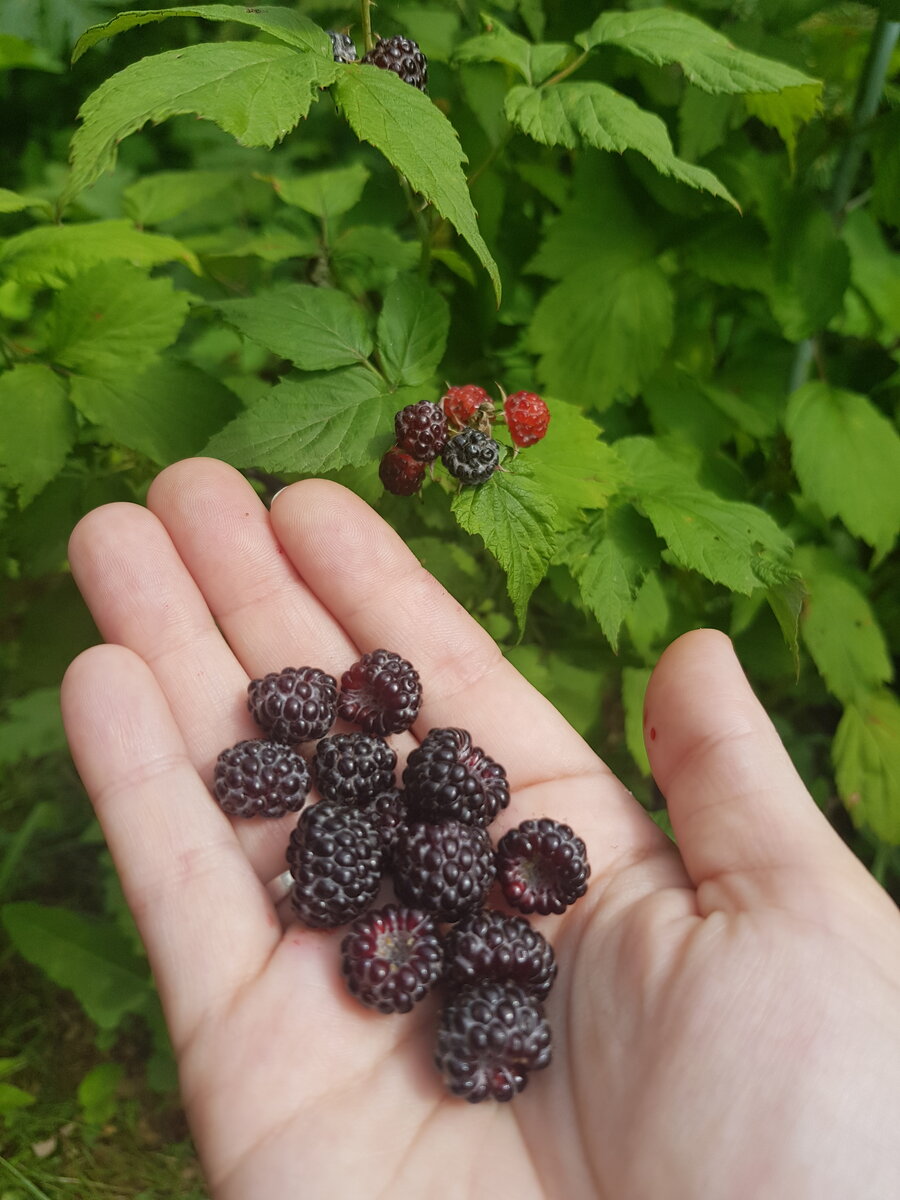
{"x": 365, "y": 12}
{"x": 567, "y": 71}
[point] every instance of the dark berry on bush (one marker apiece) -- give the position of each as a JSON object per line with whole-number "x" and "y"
{"x": 297, "y": 704}
{"x": 381, "y": 693}
{"x": 421, "y": 430}
{"x": 471, "y": 457}
{"x": 461, "y": 403}
{"x": 402, "y": 56}
{"x": 391, "y": 958}
{"x": 335, "y": 858}
{"x": 353, "y": 768}
{"x": 259, "y": 778}
{"x": 446, "y": 869}
{"x": 342, "y": 46}
{"x": 491, "y": 1035}
{"x": 400, "y": 473}
{"x": 527, "y": 417}
{"x": 542, "y": 866}
{"x": 489, "y": 945}
{"x": 387, "y": 812}
{"x": 447, "y": 778}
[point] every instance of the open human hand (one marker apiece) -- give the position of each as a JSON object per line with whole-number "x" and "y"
{"x": 726, "y": 1017}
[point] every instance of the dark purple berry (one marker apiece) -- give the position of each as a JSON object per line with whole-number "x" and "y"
{"x": 259, "y": 778}
{"x": 471, "y": 456}
{"x": 421, "y": 430}
{"x": 402, "y": 56}
{"x": 335, "y": 858}
{"x": 391, "y": 958}
{"x": 542, "y": 866}
{"x": 400, "y": 473}
{"x": 381, "y": 693}
{"x": 387, "y": 812}
{"x": 353, "y": 768}
{"x": 447, "y": 778}
{"x": 490, "y": 945}
{"x": 298, "y": 704}
{"x": 342, "y": 47}
{"x": 491, "y": 1035}
{"x": 446, "y": 869}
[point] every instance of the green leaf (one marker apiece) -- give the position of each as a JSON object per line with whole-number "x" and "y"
{"x": 576, "y": 691}
{"x": 324, "y": 193}
{"x": 168, "y": 412}
{"x": 846, "y": 455}
{"x": 255, "y": 92}
{"x": 89, "y": 957}
{"x": 727, "y": 541}
{"x": 312, "y": 425}
{"x": 708, "y": 59}
{"x": 649, "y": 616}
{"x": 602, "y": 331}
{"x": 271, "y": 245}
{"x": 17, "y": 52}
{"x": 634, "y": 688}
{"x": 98, "y": 1093}
{"x": 785, "y": 111}
{"x": 316, "y": 328}
{"x": 592, "y": 114}
{"x": 517, "y": 521}
{"x": 578, "y": 469}
{"x": 412, "y": 331}
{"x": 37, "y": 428}
{"x": 114, "y": 318}
{"x": 811, "y": 269}
{"x": 164, "y": 195}
{"x": 31, "y": 727}
{"x": 11, "y": 202}
{"x": 786, "y": 601}
{"x": 51, "y": 254}
{"x": 499, "y": 44}
{"x": 280, "y": 23}
{"x": 416, "y": 138}
{"x": 866, "y": 756}
{"x": 12, "y": 1098}
{"x": 875, "y": 270}
{"x": 840, "y": 630}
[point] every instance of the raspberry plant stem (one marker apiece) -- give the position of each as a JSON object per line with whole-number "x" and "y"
{"x": 365, "y": 12}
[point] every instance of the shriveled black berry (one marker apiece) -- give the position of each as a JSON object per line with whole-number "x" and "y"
{"x": 421, "y": 430}
{"x": 342, "y": 46}
{"x": 447, "y": 778}
{"x": 388, "y": 812}
{"x": 402, "y": 56}
{"x": 381, "y": 693}
{"x": 542, "y": 866}
{"x": 491, "y": 1036}
{"x": 259, "y": 778}
{"x": 335, "y": 858}
{"x": 471, "y": 456}
{"x": 490, "y": 945}
{"x": 391, "y": 958}
{"x": 298, "y": 704}
{"x": 353, "y": 768}
{"x": 446, "y": 869}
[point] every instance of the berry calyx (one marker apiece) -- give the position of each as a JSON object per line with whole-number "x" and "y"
{"x": 527, "y": 417}
{"x": 259, "y": 778}
{"x": 490, "y": 945}
{"x": 297, "y": 704}
{"x": 402, "y": 56}
{"x": 381, "y": 693}
{"x": 542, "y": 866}
{"x": 421, "y": 430}
{"x": 400, "y": 473}
{"x": 342, "y": 47}
{"x": 462, "y": 402}
{"x": 447, "y": 778}
{"x": 391, "y": 958}
{"x": 336, "y": 861}
{"x": 471, "y": 457}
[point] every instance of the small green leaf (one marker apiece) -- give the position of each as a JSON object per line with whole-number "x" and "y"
{"x": 875, "y": 270}
{"x": 98, "y": 1093}
{"x": 499, "y": 44}
{"x": 412, "y": 331}
{"x": 316, "y": 328}
{"x": 37, "y": 428}
{"x": 572, "y": 462}
{"x": 324, "y": 193}
{"x": 847, "y": 457}
{"x": 11, "y": 202}
{"x": 810, "y": 268}
{"x": 31, "y": 726}
{"x": 866, "y": 756}
{"x": 649, "y": 616}
{"x": 271, "y": 245}
{"x": 12, "y": 1098}
{"x": 785, "y": 111}
{"x": 164, "y": 195}
{"x": 634, "y": 688}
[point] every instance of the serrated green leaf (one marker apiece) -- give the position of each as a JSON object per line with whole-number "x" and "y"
{"x": 271, "y": 245}
{"x": 708, "y": 59}
{"x": 499, "y": 44}
{"x": 592, "y": 114}
{"x": 517, "y": 519}
{"x": 89, "y": 957}
{"x": 281, "y": 23}
{"x": 31, "y": 726}
{"x": 571, "y": 462}
{"x": 37, "y": 428}
{"x": 412, "y": 331}
{"x": 846, "y": 455}
{"x": 164, "y": 195}
{"x": 11, "y": 202}
{"x": 634, "y": 688}
{"x": 370, "y": 257}
{"x": 785, "y": 111}
{"x": 727, "y": 541}
{"x": 786, "y": 600}
{"x": 308, "y": 426}
{"x": 254, "y": 91}
{"x": 51, "y": 254}
{"x": 316, "y": 328}
{"x": 648, "y": 618}
{"x": 866, "y": 756}
{"x": 416, "y": 138}
{"x": 113, "y": 318}
{"x": 703, "y": 122}
{"x": 324, "y": 193}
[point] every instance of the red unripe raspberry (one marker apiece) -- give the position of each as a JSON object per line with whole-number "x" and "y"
{"x": 461, "y": 403}
{"x": 401, "y": 473}
{"x": 527, "y": 417}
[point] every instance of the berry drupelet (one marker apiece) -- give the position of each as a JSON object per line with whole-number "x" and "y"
{"x": 298, "y": 704}
{"x": 259, "y": 778}
{"x": 342, "y": 47}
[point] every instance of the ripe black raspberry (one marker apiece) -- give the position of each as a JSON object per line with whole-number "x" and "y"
{"x": 421, "y": 430}
{"x": 381, "y": 693}
{"x": 489, "y": 945}
{"x": 471, "y": 456}
{"x": 297, "y": 704}
{"x": 353, "y": 768}
{"x": 259, "y": 778}
{"x": 491, "y": 1035}
{"x": 542, "y": 866}
{"x": 446, "y": 869}
{"x": 387, "y": 812}
{"x": 391, "y": 958}
{"x": 400, "y": 473}
{"x": 447, "y": 778}
{"x": 335, "y": 858}
{"x": 342, "y": 46}
{"x": 402, "y": 56}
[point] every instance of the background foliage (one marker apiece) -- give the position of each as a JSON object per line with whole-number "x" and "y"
{"x": 681, "y": 225}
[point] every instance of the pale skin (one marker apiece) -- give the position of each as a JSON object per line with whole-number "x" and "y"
{"x": 726, "y": 1017}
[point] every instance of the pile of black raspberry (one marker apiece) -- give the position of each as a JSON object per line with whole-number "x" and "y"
{"x": 429, "y": 835}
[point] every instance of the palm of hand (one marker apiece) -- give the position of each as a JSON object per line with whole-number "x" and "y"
{"x": 694, "y": 992}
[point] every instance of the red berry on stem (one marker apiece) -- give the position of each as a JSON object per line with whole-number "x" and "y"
{"x": 461, "y": 403}
{"x": 527, "y": 417}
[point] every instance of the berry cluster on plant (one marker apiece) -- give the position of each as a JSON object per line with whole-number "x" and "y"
{"x": 429, "y": 835}
{"x": 398, "y": 54}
